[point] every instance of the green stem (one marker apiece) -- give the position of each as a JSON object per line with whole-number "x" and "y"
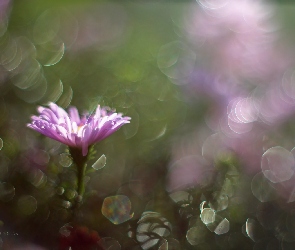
{"x": 81, "y": 174}
{"x": 80, "y": 162}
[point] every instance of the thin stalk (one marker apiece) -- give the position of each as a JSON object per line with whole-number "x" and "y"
{"x": 80, "y": 177}
{"x": 80, "y": 163}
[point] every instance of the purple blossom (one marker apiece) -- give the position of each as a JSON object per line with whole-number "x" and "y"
{"x": 239, "y": 37}
{"x": 75, "y": 131}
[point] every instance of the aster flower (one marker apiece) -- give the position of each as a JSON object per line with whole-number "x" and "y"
{"x": 75, "y": 131}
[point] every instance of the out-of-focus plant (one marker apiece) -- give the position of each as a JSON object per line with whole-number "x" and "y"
{"x": 207, "y": 161}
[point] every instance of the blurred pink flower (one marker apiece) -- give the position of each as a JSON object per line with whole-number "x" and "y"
{"x": 240, "y": 35}
{"x": 75, "y": 131}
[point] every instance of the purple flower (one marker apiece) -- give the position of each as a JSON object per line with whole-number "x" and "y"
{"x": 75, "y": 131}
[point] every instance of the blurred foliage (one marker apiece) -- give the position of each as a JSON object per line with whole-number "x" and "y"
{"x": 164, "y": 181}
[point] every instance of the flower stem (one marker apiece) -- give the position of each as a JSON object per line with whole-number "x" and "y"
{"x": 80, "y": 177}
{"x": 80, "y": 162}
